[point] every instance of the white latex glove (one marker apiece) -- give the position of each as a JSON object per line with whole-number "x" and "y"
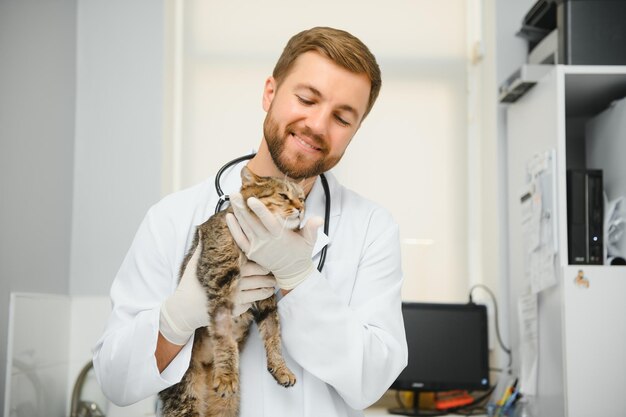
{"x": 264, "y": 240}
{"x": 255, "y": 285}
{"x": 187, "y": 309}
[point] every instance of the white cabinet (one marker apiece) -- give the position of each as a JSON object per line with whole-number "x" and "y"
{"x": 582, "y": 329}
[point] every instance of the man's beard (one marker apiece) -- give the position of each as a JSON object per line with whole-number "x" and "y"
{"x": 297, "y": 167}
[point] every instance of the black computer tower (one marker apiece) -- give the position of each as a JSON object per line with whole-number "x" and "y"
{"x": 585, "y": 217}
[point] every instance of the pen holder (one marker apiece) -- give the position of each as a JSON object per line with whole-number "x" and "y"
{"x": 494, "y": 410}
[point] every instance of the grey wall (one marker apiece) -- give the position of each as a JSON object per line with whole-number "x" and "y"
{"x": 119, "y": 132}
{"x": 37, "y": 90}
{"x": 81, "y": 131}
{"x": 510, "y": 49}
{"x": 510, "y": 55}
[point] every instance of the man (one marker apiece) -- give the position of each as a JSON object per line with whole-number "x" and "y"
{"x": 342, "y": 329}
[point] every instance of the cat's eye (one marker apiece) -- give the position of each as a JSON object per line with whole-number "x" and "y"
{"x": 283, "y": 195}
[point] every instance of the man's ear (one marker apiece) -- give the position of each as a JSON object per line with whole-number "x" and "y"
{"x": 268, "y": 92}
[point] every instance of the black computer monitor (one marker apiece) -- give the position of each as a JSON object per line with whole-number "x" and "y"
{"x": 448, "y": 349}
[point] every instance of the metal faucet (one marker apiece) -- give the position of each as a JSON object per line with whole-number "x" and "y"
{"x": 83, "y": 408}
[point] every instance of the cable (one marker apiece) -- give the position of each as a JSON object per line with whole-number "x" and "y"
{"x": 497, "y": 325}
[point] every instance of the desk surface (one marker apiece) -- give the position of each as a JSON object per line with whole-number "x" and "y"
{"x": 382, "y": 412}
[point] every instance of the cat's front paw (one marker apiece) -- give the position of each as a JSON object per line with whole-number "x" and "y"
{"x": 225, "y": 385}
{"x": 283, "y": 376}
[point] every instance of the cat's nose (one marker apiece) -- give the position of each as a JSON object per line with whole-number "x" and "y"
{"x": 292, "y": 212}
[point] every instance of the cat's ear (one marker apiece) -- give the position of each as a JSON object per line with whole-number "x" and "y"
{"x": 247, "y": 176}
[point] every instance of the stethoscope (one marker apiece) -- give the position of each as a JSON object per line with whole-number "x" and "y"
{"x": 223, "y": 198}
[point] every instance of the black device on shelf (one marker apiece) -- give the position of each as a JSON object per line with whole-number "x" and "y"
{"x": 448, "y": 350}
{"x": 585, "y": 216}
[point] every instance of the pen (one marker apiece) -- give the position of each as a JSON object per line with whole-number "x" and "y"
{"x": 505, "y": 397}
{"x": 509, "y": 403}
{"x": 507, "y": 393}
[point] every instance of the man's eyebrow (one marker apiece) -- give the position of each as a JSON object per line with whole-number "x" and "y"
{"x": 317, "y": 93}
{"x": 309, "y": 87}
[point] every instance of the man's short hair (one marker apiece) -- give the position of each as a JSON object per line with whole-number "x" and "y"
{"x": 340, "y": 47}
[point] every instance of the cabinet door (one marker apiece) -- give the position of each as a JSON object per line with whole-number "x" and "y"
{"x": 595, "y": 339}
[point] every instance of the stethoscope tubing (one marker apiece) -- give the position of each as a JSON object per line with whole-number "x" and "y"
{"x": 223, "y": 198}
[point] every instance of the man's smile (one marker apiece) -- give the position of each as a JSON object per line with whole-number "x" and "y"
{"x": 305, "y": 142}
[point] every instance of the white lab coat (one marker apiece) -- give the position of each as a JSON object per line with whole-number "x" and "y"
{"x": 342, "y": 329}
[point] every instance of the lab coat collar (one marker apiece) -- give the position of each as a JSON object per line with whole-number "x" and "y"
{"x": 315, "y": 206}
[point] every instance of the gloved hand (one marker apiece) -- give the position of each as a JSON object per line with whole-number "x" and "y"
{"x": 255, "y": 285}
{"x": 187, "y": 309}
{"x": 264, "y": 240}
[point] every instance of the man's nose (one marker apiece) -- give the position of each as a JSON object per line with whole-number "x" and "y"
{"x": 318, "y": 122}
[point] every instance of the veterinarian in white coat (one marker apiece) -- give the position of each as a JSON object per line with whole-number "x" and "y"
{"x": 342, "y": 329}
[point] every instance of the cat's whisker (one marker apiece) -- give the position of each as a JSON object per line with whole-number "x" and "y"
{"x": 307, "y": 182}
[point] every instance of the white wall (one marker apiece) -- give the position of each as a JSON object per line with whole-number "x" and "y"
{"x": 37, "y": 90}
{"x": 410, "y": 155}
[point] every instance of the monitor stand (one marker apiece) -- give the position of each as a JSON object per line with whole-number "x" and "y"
{"x": 415, "y": 410}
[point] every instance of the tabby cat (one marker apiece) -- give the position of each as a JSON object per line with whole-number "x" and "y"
{"x": 210, "y": 387}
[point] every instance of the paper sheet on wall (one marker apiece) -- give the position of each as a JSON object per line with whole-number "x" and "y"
{"x": 538, "y": 222}
{"x": 529, "y": 346}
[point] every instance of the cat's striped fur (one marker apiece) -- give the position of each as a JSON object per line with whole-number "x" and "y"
{"x": 210, "y": 387}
